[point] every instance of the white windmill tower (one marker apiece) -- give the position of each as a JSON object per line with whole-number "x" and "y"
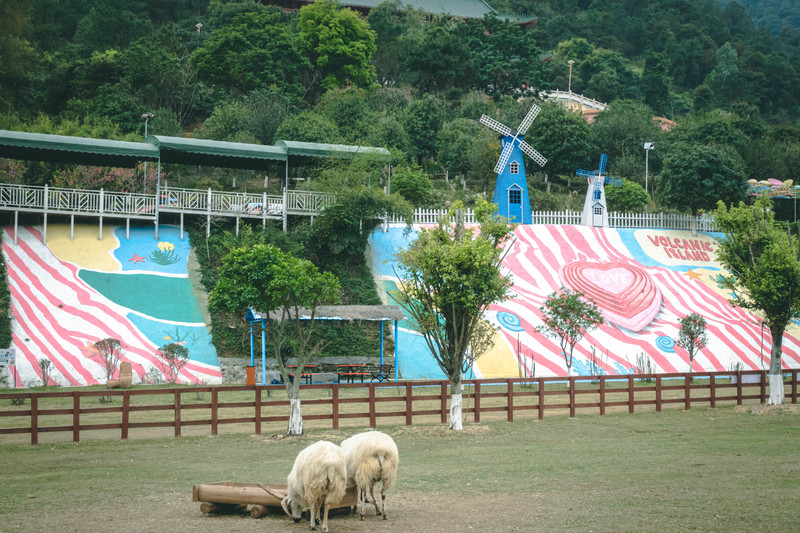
{"x": 595, "y": 211}
{"x": 511, "y": 190}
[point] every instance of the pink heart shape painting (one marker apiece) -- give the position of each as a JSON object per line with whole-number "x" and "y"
{"x": 625, "y": 293}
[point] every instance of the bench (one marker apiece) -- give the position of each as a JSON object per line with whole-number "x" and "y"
{"x": 350, "y": 376}
{"x": 307, "y": 376}
{"x": 383, "y": 373}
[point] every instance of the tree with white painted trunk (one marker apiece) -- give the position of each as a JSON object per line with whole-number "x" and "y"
{"x": 692, "y": 336}
{"x": 286, "y": 289}
{"x": 763, "y": 259}
{"x": 568, "y": 316}
{"x": 448, "y": 277}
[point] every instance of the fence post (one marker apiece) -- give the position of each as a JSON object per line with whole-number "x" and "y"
{"x": 372, "y": 422}
{"x": 257, "y": 417}
{"x": 409, "y": 403}
{"x": 444, "y": 402}
{"x": 126, "y": 413}
{"x": 510, "y": 404}
{"x": 541, "y": 399}
{"x": 76, "y": 417}
{"x": 658, "y": 394}
{"x": 572, "y": 396}
{"x": 476, "y": 394}
{"x": 214, "y": 411}
{"x": 687, "y": 392}
{"x": 35, "y": 418}
{"x": 712, "y": 383}
{"x": 763, "y": 387}
{"x": 177, "y": 421}
{"x": 794, "y": 386}
{"x": 602, "y": 395}
{"x": 335, "y": 405}
{"x": 630, "y": 393}
{"x": 738, "y": 387}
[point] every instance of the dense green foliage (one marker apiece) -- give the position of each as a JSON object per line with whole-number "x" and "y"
{"x": 5, "y": 305}
{"x": 416, "y": 84}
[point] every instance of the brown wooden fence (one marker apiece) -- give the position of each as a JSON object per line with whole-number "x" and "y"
{"x": 336, "y": 404}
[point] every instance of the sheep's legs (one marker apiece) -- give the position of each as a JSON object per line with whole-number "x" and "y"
{"x": 362, "y": 496}
{"x": 313, "y": 512}
{"x": 383, "y": 504}
{"x": 325, "y": 519}
{"x": 374, "y": 501}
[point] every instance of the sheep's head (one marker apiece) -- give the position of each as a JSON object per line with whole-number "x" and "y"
{"x": 296, "y": 511}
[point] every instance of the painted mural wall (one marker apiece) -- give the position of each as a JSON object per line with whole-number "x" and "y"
{"x": 68, "y": 294}
{"x": 644, "y": 281}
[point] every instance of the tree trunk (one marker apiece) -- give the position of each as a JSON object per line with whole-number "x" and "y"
{"x": 295, "y": 416}
{"x": 776, "y": 394}
{"x": 455, "y": 406}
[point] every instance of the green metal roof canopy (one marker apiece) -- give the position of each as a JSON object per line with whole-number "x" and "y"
{"x": 78, "y": 150}
{"x": 341, "y": 151}
{"x": 104, "y": 152}
{"x": 215, "y": 153}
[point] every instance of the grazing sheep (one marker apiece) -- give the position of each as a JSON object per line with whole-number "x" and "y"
{"x": 371, "y": 457}
{"x": 318, "y": 477}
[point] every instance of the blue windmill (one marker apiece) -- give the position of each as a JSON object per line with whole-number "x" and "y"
{"x": 595, "y": 211}
{"x": 511, "y": 190}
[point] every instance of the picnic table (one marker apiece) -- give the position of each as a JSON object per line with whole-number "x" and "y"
{"x": 306, "y": 376}
{"x": 350, "y": 371}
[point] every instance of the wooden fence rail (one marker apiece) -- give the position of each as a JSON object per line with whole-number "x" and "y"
{"x": 402, "y": 402}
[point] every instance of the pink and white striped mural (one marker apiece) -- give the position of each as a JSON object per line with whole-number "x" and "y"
{"x": 644, "y": 281}
{"x": 68, "y": 294}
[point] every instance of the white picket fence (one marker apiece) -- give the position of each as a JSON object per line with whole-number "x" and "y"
{"x": 615, "y": 220}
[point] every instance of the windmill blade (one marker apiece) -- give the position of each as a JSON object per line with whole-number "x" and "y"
{"x": 499, "y": 127}
{"x": 601, "y": 169}
{"x": 528, "y": 120}
{"x": 536, "y": 156}
{"x": 504, "y": 156}
{"x": 585, "y": 173}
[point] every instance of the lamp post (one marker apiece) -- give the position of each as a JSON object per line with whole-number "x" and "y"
{"x": 146, "y": 117}
{"x": 569, "y": 84}
{"x": 647, "y": 148}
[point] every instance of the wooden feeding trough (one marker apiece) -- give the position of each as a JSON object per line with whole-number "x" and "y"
{"x": 230, "y": 497}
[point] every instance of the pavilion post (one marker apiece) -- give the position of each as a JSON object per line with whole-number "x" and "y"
{"x": 381, "y": 342}
{"x": 263, "y": 351}
{"x": 396, "y": 365}
{"x": 252, "y": 347}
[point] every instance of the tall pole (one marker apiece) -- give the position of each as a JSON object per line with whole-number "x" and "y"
{"x": 647, "y": 148}
{"x": 569, "y": 84}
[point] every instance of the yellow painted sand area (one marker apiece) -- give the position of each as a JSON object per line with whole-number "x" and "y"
{"x": 85, "y": 250}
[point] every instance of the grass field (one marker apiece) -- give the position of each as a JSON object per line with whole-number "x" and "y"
{"x": 725, "y": 469}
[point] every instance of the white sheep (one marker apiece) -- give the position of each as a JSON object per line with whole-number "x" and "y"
{"x": 371, "y": 457}
{"x": 318, "y": 478}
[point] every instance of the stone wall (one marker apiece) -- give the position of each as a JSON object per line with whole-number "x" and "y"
{"x": 234, "y": 373}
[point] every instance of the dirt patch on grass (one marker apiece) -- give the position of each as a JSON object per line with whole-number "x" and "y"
{"x": 784, "y": 409}
{"x": 407, "y": 512}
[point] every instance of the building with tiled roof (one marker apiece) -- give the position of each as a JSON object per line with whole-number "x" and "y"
{"x": 467, "y": 9}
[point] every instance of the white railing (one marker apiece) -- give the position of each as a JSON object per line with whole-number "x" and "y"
{"x": 45, "y": 199}
{"x": 584, "y": 101}
{"x": 573, "y": 218}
